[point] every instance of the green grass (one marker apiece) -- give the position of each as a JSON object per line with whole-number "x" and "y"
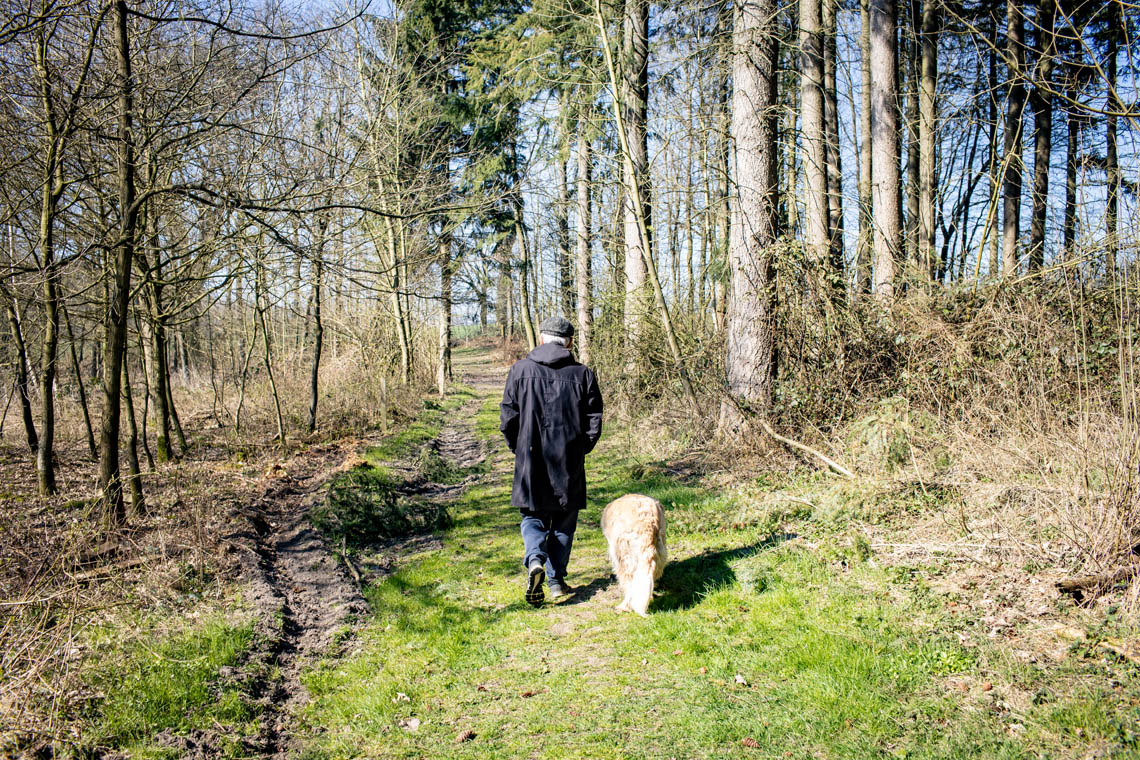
{"x": 410, "y": 438}
{"x": 365, "y": 504}
{"x": 153, "y": 682}
{"x": 803, "y": 647}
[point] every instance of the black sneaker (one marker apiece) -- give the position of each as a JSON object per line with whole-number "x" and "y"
{"x": 534, "y": 593}
{"x": 558, "y": 590}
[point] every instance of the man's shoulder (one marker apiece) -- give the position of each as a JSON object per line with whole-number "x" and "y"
{"x": 529, "y": 368}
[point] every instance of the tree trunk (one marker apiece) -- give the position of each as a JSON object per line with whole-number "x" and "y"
{"x": 690, "y": 212}
{"x": 524, "y": 281}
{"x": 913, "y": 179}
{"x": 52, "y": 191}
{"x": 82, "y": 387}
{"x": 585, "y": 278}
{"x": 403, "y": 339}
{"x": 640, "y": 207}
{"x": 750, "y": 364}
{"x": 146, "y": 394}
{"x": 722, "y": 223}
{"x": 138, "y": 505}
{"x": 927, "y": 124}
{"x": 45, "y": 466}
{"x": 1011, "y": 183}
{"x": 1111, "y": 164}
{"x": 885, "y": 176}
{"x": 318, "y": 339}
{"x": 863, "y": 278}
{"x": 175, "y": 422}
{"x": 831, "y": 134}
{"x": 1072, "y": 159}
{"x": 1042, "y": 100}
{"x": 634, "y": 105}
{"x": 156, "y": 366}
{"x": 816, "y": 220}
{"x": 154, "y": 355}
{"x": 115, "y": 341}
{"x": 22, "y": 375}
{"x": 443, "y": 370}
{"x": 267, "y": 360}
{"x": 995, "y": 161}
{"x": 503, "y": 287}
{"x": 562, "y": 225}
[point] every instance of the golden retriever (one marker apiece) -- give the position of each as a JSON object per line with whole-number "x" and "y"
{"x": 634, "y": 526}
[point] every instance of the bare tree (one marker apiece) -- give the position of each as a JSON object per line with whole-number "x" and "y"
{"x": 1041, "y": 99}
{"x": 583, "y": 264}
{"x": 115, "y": 342}
{"x": 927, "y": 125}
{"x": 829, "y": 13}
{"x": 1012, "y": 169}
{"x": 1111, "y": 160}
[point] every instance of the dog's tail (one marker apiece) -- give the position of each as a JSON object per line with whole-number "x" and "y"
{"x": 641, "y": 585}
{"x": 645, "y": 556}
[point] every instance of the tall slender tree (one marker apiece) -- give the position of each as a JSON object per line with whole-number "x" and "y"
{"x": 115, "y": 341}
{"x": 885, "y": 176}
{"x": 750, "y": 357}
{"x": 1112, "y": 108}
{"x": 633, "y": 99}
{"x": 863, "y": 277}
{"x": 1041, "y": 100}
{"x": 584, "y": 279}
{"x": 927, "y": 137}
{"x": 829, "y": 21}
{"x": 1012, "y": 160}
{"x": 816, "y": 217}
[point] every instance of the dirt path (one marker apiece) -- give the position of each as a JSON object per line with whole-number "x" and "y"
{"x": 307, "y": 601}
{"x": 303, "y": 595}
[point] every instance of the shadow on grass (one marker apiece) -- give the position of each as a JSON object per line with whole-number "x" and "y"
{"x": 685, "y": 583}
{"x": 589, "y": 591}
{"x": 420, "y": 609}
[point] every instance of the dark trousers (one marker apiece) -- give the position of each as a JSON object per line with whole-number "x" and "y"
{"x": 547, "y": 538}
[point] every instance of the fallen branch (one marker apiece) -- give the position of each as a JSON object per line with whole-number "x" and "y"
{"x": 1129, "y": 650}
{"x": 1080, "y": 584}
{"x": 41, "y": 600}
{"x": 125, "y": 564}
{"x": 348, "y": 562}
{"x": 838, "y": 468}
{"x": 781, "y": 496}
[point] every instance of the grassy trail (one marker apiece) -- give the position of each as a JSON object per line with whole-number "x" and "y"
{"x": 764, "y": 640}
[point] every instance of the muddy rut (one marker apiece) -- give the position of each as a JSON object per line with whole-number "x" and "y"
{"x": 308, "y": 603}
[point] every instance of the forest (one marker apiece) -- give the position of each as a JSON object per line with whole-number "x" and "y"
{"x": 857, "y": 278}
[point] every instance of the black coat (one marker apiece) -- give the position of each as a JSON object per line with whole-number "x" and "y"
{"x": 551, "y": 416}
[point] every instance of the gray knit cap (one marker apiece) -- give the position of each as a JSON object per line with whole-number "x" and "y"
{"x": 559, "y": 326}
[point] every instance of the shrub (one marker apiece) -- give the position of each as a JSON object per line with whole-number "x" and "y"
{"x": 365, "y": 505}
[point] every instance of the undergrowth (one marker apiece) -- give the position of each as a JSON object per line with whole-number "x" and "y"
{"x": 366, "y": 505}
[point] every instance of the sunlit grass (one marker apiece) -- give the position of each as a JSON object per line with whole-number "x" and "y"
{"x": 151, "y": 682}
{"x": 803, "y": 650}
{"x": 423, "y": 428}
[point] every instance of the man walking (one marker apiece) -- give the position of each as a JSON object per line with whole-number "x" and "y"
{"x": 551, "y": 416}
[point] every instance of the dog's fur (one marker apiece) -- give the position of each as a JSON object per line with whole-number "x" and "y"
{"x": 634, "y": 526}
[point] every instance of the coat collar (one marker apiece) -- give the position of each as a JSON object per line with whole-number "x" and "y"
{"x": 551, "y": 354}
